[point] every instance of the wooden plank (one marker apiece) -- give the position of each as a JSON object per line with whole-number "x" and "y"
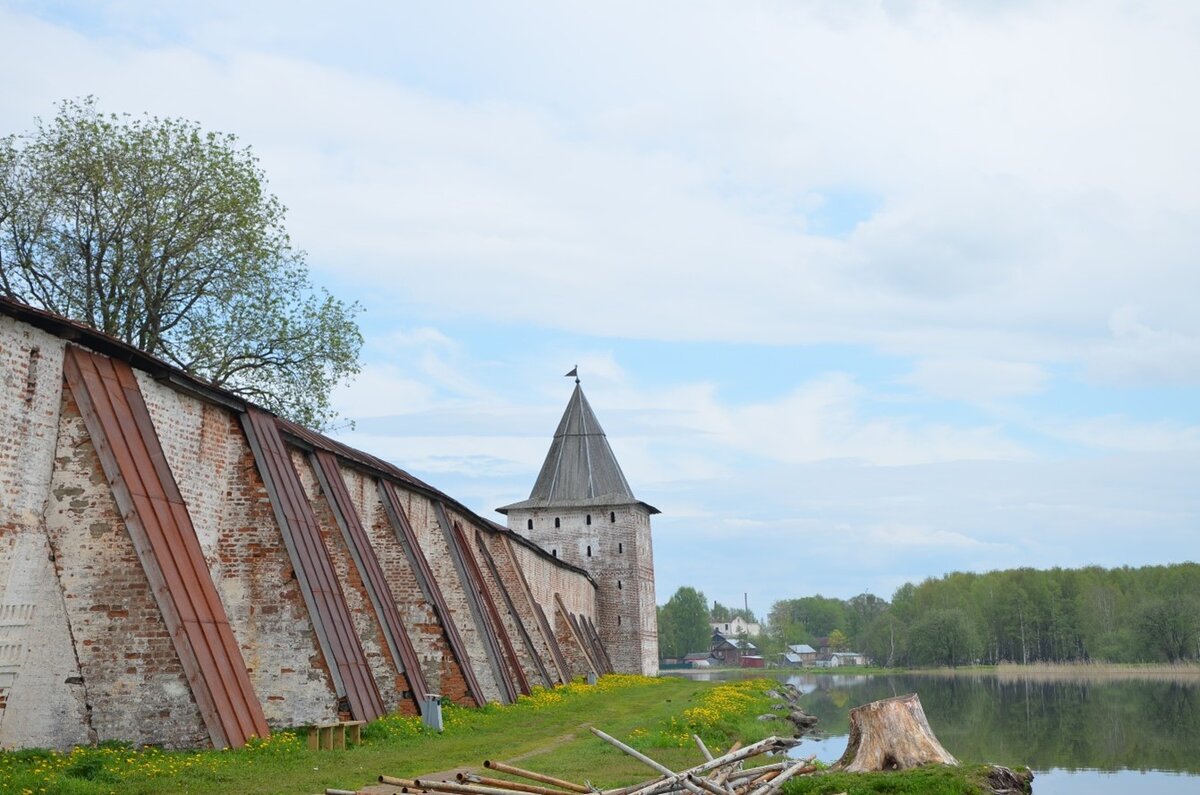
{"x": 475, "y": 606}
{"x": 178, "y": 552}
{"x": 312, "y": 557}
{"x": 329, "y": 475}
{"x": 560, "y": 662}
{"x": 323, "y": 596}
{"x": 285, "y": 517}
{"x": 492, "y": 613}
{"x": 576, "y": 634}
{"x": 490, "y": 562}
{"x": 99, "y": 407}
{"x": 598, "y": 644}
{"x": 164, "y": 538}
{"x": 428, "y": 585}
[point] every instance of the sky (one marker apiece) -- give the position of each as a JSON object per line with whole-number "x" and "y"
{"x": 862, "y": 292}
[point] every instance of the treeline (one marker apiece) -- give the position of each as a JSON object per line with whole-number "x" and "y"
{"x": 1149, "y": 614}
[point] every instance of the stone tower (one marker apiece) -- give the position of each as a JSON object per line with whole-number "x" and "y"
{"x": 582, "y": 510}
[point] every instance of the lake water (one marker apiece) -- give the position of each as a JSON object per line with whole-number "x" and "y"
{"x": 1091, "y": 735}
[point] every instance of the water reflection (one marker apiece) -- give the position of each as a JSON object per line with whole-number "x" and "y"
{"x": 1101, "y": 725}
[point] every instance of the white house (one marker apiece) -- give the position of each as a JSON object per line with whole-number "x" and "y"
{"x": 736, "y": 626}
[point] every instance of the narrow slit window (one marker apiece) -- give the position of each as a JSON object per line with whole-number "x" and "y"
{"x": 620, "y": 547}
{"x": 618, "y": 621}
{"x": 528, "y": 524}
{"x": 554, "y": 552}
{"x": 612, "y": 517}
{"x": 618, "y": 585}
{"x": 589, "y": 518}
{"x": 556, "y": 522}
{"x": 589, "y": 550}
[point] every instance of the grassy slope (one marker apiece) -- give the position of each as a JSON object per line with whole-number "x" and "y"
{"x": 547, "y": 730}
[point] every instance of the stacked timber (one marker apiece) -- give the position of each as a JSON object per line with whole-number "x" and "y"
{"x": 721, "y": 775}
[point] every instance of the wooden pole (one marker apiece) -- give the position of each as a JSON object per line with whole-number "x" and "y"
{"x": 630, "y": 788}
{"x": 504, "y": 783}
{"x": 500, "y": 767}
{"x": 722, "y": 775}
{"x": 460, "y": 789}
{"x": 703, "y": 748}
{"x": 755, "y": 772}
{"x": 397, "y": 782}
{"x": 638, "y": 755}
{"x": 769, "y": 744}
{"x": 708, "y": 785}
{"x": 777, "y": 779}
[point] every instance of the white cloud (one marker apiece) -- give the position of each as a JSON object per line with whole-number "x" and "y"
{"x": 1116, "y": 432}
{"x": 382, "y": 390}
{"x": 977, "y": 380}
{"x": 1139, "y": 352}
{"x": 1025, "y": 161}
{"x": 821, "y": 420}
{"x": 1032, "y": 193}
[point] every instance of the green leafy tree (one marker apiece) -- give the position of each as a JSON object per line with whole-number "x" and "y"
{"x": 838, "y": 641}
{"x": 683, "y": 624}
{"x": 798, "y": 620}
{"x": 943, "y": 637}
{"x": 885, "y": 640}
{"x": 1167, "y": 627}
{"x": 164, "y": 236}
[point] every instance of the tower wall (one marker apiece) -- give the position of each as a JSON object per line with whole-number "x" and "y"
{"x": 615, "y": 548}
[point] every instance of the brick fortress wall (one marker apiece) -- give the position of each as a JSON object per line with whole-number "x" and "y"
{"x": 85, "y": 654}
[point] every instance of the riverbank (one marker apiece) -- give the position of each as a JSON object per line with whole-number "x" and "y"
{"x": 1073, "y": 671}
{"x": 545, "y": 731}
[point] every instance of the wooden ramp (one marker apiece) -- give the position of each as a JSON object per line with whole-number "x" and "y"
{"x": 329, "y": 474}
{"x": 429, "y": 585}
{"x": 115, "y": 414}
{"x": 314, "y": 571}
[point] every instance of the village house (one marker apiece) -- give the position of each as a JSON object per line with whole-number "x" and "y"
{"x": 731, "y": 651}
{"x": 736, "y": 627}
{"x": 799, "y": 655}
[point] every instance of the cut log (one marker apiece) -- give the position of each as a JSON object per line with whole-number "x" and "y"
{"x": 892, "y": 734}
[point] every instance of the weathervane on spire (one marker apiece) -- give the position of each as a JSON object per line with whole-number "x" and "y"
{"x": 574, "y": 372}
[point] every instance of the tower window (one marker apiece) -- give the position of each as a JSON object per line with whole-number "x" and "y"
{"x": 612, "y": 516}
{"x": 556, "y": 522}
{"x": 618, "y": 585}
{"x": 618, "y": 621}
{"x": 589, "y": 550}
{"x": 589, "y": 518}
{"x": 620, "y": 547}
{"x": 528, "y": 524}
{"x": 554, "y": 552}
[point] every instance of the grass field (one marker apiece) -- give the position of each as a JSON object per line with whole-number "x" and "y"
{"x": 546, "y": 731}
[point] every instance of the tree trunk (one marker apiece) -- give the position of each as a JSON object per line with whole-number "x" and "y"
{"x": 892, "y": 734}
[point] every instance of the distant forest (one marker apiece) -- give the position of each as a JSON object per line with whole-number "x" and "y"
{"x": 1149, "y": 614}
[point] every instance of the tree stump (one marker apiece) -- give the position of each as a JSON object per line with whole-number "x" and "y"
{"x": 892, "y": 734}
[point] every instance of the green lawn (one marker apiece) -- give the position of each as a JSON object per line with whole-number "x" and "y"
{"x": 546, "y": 732}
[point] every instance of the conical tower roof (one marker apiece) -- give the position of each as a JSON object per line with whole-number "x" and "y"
{"x": 580, "y": 469}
